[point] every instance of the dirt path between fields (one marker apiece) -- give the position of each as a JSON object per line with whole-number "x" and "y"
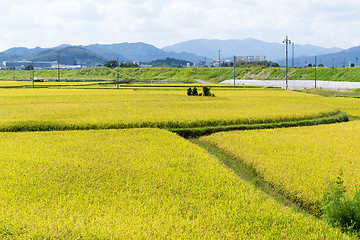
{"x": 202, "y": 81}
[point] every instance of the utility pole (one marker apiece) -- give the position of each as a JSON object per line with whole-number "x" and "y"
{"x": 293, "y": 45}
{"x": 31, "y": 75}
{"x": 234, "y": 69}
{"x": 315, "y": 71}
{"x": 32, "y": 70}
{"x": 219, "y": 58}
{"x": 287, "y": 41}
{"x": 58, "y": 65}
{"x": 117, "y": 73}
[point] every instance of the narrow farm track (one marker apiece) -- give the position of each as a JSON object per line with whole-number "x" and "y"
{"x": 203, "y": 81}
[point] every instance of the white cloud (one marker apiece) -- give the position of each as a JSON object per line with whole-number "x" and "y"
{"x": 52, "y": 22}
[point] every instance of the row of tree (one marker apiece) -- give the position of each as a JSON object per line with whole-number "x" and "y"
{"x": 115, "y": 64}
{"x": 194, "y": 92}
{"x": 168, "y": 62}
{"x": 172, "y": 62}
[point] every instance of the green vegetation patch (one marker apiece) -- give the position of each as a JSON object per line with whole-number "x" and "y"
{"x": 198, "y": 132}
{"x": 339, "y": 209}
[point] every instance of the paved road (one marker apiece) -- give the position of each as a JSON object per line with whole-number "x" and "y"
{"x": 204, "y": 82}
{"x": 297, "y": 84}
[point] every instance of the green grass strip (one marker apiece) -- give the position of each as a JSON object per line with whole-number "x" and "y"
{"x": 198, "y": 129}
{"x": 248, "y": 173}
{"x": 202, "y": 131}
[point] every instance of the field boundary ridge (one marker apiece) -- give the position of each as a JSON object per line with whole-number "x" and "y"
{"x": 203, "y": 131}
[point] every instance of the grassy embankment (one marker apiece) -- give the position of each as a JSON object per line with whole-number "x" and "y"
{"x": 176, "y": 75}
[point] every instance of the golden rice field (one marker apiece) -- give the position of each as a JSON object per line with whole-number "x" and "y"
{"x": 144, "y": 183}
{"x": 133, "y": 184}
{"x": 29, "y": 109}
{"x": 349, "y": 105}
{"x": 299, "y": 161}
{"x": 15, "y": 83}
{"x": 29, "y": 84}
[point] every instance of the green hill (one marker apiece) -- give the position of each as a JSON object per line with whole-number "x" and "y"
{"x": 71, "y": 55}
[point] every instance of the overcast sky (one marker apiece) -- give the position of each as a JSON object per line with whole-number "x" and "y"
{"x": 48, "y": 23}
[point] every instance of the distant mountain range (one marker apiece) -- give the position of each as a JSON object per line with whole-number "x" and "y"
{"x": 21, "y": 51}
{"x": 246, "y": 47}
{"x": 141, "y": 52}
{"x": 338, "y": 59}
{"x": 192, "y": 51}
{"x": 95, "y": 54}
{"x": 69, "y": 55}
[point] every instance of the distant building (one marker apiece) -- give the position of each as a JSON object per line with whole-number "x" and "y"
{"x": 66, "y": 66}
{"x": 250, "y": 59}
{"x": 37, "y": 65}
{"x": 212, "y": 63}
{"x": 23, "y": 64}
{"x": 145, "y": 66}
